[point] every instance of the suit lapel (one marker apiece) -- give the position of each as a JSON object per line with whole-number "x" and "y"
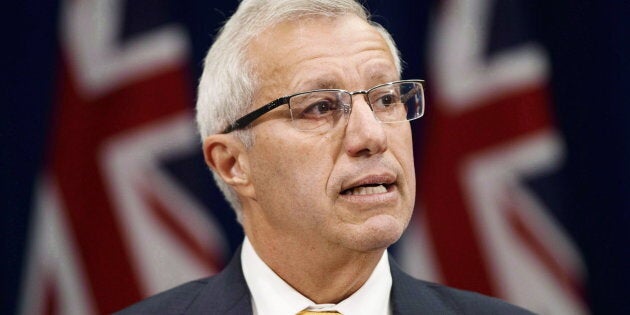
{"x": 226, "y": 293}
{"x": 411, "y": 296}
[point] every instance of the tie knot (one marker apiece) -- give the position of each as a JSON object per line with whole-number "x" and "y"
{"x": 307, "y": 312}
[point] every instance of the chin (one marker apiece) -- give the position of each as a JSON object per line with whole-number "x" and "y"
{"x": 377, "y": 233}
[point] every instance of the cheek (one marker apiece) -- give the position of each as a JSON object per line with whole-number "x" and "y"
{"x": 409, "y": 167}
{"x": 292, "y": 173}
{"x": 403, "y": 150}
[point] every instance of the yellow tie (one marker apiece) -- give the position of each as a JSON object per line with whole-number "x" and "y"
{"x": 307, "y": 312}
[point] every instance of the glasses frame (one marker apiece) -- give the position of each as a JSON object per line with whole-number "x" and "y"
{"x": 249, "y": 118}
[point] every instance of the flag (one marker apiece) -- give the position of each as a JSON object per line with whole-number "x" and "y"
{"x": 480, "y": 225}
{"x": 111, "y": 224}
{"x": 494, "y": 222}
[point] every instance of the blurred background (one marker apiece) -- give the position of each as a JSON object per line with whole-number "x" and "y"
{"x": 522, "y": 158}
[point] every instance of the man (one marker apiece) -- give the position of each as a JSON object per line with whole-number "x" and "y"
{"x": 322, "y": 179}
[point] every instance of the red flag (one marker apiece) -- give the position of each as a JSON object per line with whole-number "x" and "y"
{"x": 479, "y": 226}
{"x": 111, "y": 225}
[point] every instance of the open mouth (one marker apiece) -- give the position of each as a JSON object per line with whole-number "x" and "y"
{"x": 368, "y": 189}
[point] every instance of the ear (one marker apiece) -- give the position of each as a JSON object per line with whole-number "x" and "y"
{"x": 228, "y": 157}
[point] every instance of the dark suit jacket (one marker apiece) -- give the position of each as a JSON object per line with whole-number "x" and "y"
{"x": 227, "y": 293}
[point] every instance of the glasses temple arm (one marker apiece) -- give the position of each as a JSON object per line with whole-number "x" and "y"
{"x": 249, "y": 118}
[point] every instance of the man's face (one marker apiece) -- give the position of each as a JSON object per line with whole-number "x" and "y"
{"x": 352, "y": 186}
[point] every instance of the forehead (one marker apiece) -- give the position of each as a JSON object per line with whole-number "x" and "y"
{"x": 321, "y": 52}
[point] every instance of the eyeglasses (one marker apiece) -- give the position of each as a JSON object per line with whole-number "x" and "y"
{"x": 321, "y": 110}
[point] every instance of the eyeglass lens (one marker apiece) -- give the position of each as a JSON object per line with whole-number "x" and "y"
{"x": 322, "y": 109}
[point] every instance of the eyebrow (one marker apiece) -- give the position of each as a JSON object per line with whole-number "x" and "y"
{"x": 378, "y": 77}
{"x": 324, "y": 84}
{"x": 375, "y": 77}
{"x": 328, "y": 84}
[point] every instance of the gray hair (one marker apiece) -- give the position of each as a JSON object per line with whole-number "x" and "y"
{"x": 228, "y": 81}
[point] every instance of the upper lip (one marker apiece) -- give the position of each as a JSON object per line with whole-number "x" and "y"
{"x": 384, "y": 178}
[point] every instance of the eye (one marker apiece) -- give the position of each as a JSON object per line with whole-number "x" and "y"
{"x": 319, "y": 109}
{"x": 386, "y": 100}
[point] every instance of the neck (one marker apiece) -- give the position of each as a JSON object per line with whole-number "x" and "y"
{"x": 321, "y": 272}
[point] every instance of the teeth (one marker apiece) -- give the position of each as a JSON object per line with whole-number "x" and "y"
{"x": 367, "y": 190}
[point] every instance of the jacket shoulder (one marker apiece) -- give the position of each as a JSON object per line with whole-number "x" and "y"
{"x": 414, "y": 296}
{"x": 467, "y": 302}
{"x": 172, "y": 301}
{"x": 225, "y": 293}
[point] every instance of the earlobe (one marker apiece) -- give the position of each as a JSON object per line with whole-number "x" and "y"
{"x": 228, "y": 158}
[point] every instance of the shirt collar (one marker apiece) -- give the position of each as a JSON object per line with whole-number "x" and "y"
{"x": 271, "y": 295}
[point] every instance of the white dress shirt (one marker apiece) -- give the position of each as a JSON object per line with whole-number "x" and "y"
{"x": 272, "y": 296}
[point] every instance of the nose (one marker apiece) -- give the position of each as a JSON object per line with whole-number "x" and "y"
{"x": 364, "y": 135}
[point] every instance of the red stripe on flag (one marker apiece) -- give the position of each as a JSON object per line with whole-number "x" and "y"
{"x": 562, "y": 276}
{"x": 51, "y": 297}
{"x": 82, "y": 126}
{"x": 203, "y": 254}
{"x": 450, "y": 139}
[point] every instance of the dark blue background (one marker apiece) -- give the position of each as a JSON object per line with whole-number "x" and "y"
{"x": 588, "y": 46}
